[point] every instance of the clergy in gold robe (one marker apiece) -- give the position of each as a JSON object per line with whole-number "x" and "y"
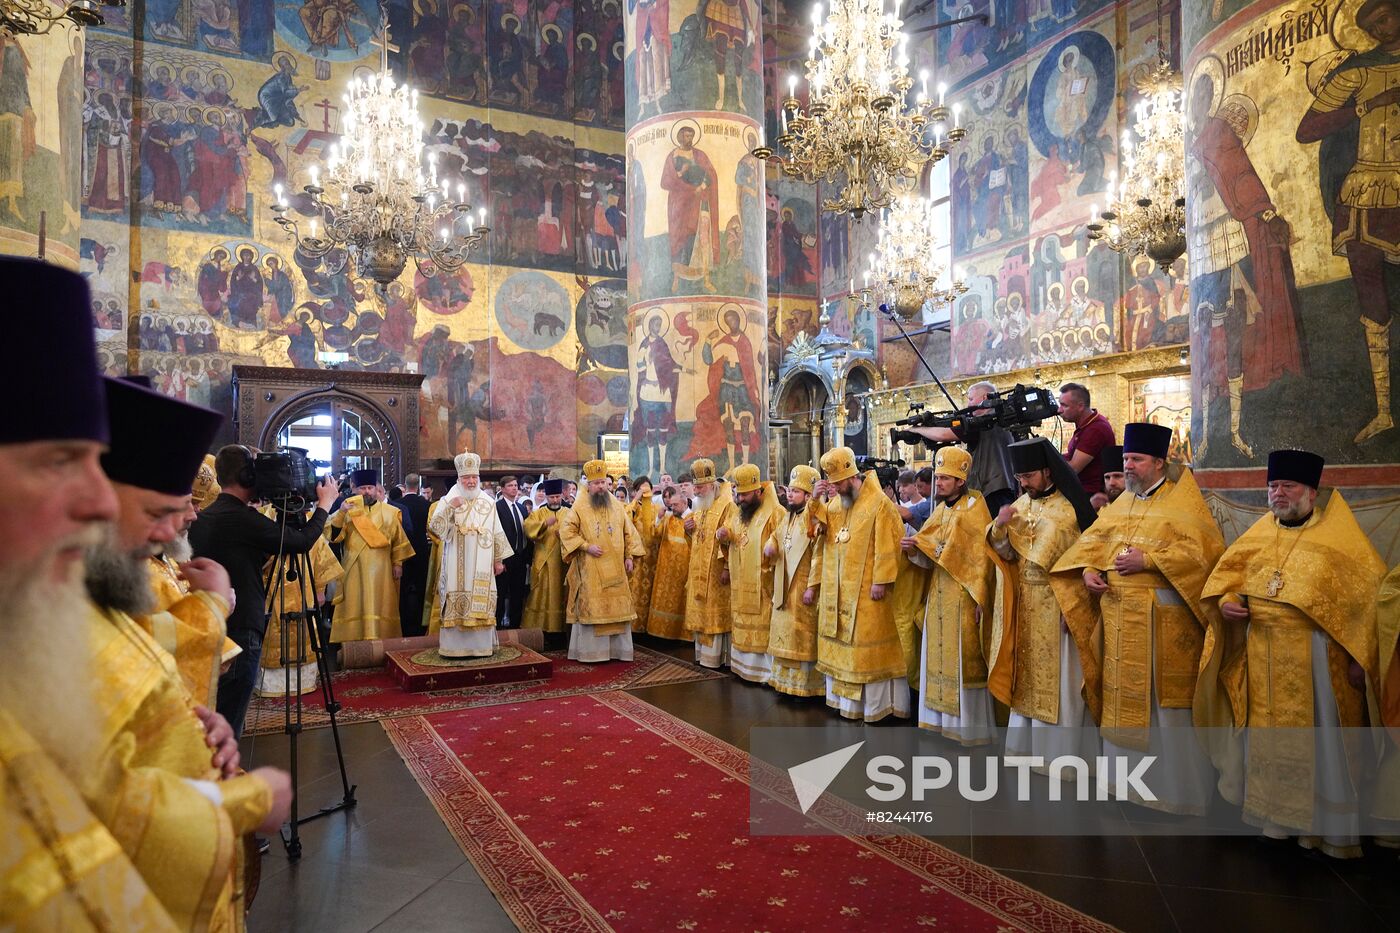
{"x": 1291, "y": 655}
{"x": 470, "y": 549}
{"x": 373, "y": 549}
{"x": 751, "y": 522}
{"x": 707, "y": 617}
{"x": 288, "y": 662}
{"x": 644, "y": 514}
{"x": 544, "y": 607}
{"x": 600, "y": 547}
{"x": 1385, "y": 804}
{"x": 1134, "y": 581}
{"x": 666, "y": 617}
{"x": 852, "y": 575}
{"x": 910, "y": 589}
{"x": 188, "y": 621}
{"x": 953, "y": 664}
{"x": 178, "y": 810}
{"x": 1033, "y": 662}
{"x": 792, "y": 632}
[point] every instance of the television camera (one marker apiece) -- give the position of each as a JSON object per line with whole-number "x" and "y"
{"x": 1018, "y": 410}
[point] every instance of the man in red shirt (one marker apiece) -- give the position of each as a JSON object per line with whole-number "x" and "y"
{"x": 1092, "y": 433}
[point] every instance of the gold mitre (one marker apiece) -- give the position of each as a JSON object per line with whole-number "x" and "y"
{"x": 703, "y": 471}
{"x": 206, "y": 484}
{"x": 952, "y": 461}
{"x": 839, "y": 463}
{"x": 594, "y": 469}
{"x": 468, "y": 464}
{"x": 804, "y": 478}
{"x": 747, "y": 478}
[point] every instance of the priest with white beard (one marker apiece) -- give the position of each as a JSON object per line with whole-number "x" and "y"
{"x": 470, "y": 549}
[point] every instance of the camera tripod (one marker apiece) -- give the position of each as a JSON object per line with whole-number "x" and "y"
{"x": 303, "y": 614}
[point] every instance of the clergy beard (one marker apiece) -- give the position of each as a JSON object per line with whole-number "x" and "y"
{"x": 555, "y": 508}
{"x": 599, "y": 499}
{"x": 794, "y": 508}
{"x": 48, "y": 682}
{"x": 470, "y": 494}
{"x": 702, "y": 503}
{"x": 1138, "y": 486}
{"x": 848, "y": 500}
{"x": 747, "y": 510}
{"x": 117, "y": 579}
{"x": 1291, "y": 513}
{"x": 180, "y": 550}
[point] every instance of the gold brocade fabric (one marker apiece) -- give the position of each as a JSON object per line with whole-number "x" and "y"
{"x": 959, "y": 594}
{"x": 599, "y": 593}
{"x": 544, "y": 607}
{"x": 750, "y": 584}
{"x": 1182, "y": 542}
{"x": 1388, "y": 660}
{"x": 857, "y": 640}
{"x": 60, "y": 869}
{"x": 367, "y": 601}
{"x": 186, "y": 847}
{"x": 707, "y": 599}
{"x": 666, "y": 617}
{"x": 643, "y": 513}
{"x": 190, "y": 627}
{"x": 792, "y": 634}
{"x": 910, "y": 594}
{"x": 1041, "y": 532}
{"x": 1331, "y": 574}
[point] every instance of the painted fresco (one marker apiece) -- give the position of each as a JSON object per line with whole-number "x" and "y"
{"x": 706, "y": 60}
{"x": 989, "y": 174}
{"x": 969, "y": 50}
{"x": 1289, "y": 235}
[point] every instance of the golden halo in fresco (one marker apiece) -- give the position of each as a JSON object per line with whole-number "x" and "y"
{"x": 680, "y": 124}
{"x": 551, "y": 29}
{"x": 1211, "y": 67}
{"x": 724, "y": 319}
{"x": 657, "y": 315}
{"x": 1242, "y": 113}
{"x": 1345, "y": 33}
{"x": 593, "y": 43}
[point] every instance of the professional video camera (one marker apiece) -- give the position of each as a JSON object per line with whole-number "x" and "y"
{"x": 1018, "y": 410}
{"x": 285, "y": 477}
{"x": 886, "y": 471}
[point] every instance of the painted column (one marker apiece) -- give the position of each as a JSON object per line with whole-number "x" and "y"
{"x": 1293, "y": 228}
{"x": 698, "y": 314}
{"x": 41, "y": 140}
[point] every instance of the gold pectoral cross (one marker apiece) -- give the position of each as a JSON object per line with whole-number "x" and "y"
{"x": 938, "y": 551}
{"x": 1275, "y": 584}
{"x": 787, "y": 541}
{"x": 744, "y": 540}
{"x": 843, "y": 536}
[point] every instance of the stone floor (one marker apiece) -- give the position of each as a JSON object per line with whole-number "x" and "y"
{"x": 390, "y": 864}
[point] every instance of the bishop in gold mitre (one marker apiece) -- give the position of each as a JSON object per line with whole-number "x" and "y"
{"x": 373, "y": 549}
{"x": 956, "y": 614}
{"x": 600, "y": 546}
{"x": 1136, "y": 577}
{"x": 1291, "y": 657}
{"x": 544, "y": 607}
{"x": 707, "y": 617}
{"x": 60, "y": 867}
{"x": 469, "y": 552}
{"x": 177, "y": 812}
{"x": 751, "y": 522}
{"x": 666, "y": 615}
{"x": 792, "y": 632}
{"x": 853, "y": 571}
{"x": 1033, "y": 662}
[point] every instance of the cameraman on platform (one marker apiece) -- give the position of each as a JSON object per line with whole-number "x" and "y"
{"x": 990, "y": 472}
{"x": 240, "y": 538}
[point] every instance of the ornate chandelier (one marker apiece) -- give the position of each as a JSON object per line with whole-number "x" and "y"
{"x": 904, "y": 272}
{"x": 377, "y": 202}
{"x": 36, "y": 17}
{"x": 1146, "y": 213}
{"x": 857, "y": 126}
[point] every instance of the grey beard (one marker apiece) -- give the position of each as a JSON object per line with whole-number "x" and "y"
{"x": 1290, "y": 513}
{"x": 470, "y": 494}
{"x": 118, "y": 580}
{"x": 702, "y": 503}
{"x": 1137, "y": 486}
{"x": 180, "y": 550}
{"x": 599, "y": 499}
{"x": 847, "y": 501}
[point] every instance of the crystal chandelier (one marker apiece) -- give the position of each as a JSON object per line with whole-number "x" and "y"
{"x": 904, "y": 272}
{"x": 37, "y": 17}
{"x": 857, "y": 126}
{"x": 378, "y": 203}
{"x": 1146, "y": 212}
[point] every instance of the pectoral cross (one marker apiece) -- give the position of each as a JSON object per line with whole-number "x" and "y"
{"x": 1275, "y": 584}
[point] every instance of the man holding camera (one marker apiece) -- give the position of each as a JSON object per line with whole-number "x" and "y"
{"x": 237, "y": 536}
{"x": 990, "y": 471}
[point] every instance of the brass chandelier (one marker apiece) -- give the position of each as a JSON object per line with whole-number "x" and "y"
{"x": 380, "y": 205}
{"x": 37, "y": 17}
{"x": 904, "y": 273}
{"x": 857, "y": 126}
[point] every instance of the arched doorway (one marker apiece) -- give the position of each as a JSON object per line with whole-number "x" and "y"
{"x": 337, "y": 432}
{"x": 802, "y": 403}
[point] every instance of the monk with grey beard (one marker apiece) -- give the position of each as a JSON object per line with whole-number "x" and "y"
{"x": 707, "y": 616}
{"x": 57, "y": 500}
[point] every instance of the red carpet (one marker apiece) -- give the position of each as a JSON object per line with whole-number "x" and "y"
{"x": 602, "y": 812}
{"x": 369, "y": 695}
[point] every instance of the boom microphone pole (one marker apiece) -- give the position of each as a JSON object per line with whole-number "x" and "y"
{"x": 889, "y": 312}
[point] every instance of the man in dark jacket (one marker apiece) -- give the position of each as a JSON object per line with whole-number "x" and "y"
{"x": 413, "y": 585}
{"x": 510, "y": 603}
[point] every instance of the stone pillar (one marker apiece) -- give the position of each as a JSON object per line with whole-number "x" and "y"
{"x": 698, "y": 291}
{"x": 41, "y": 140}
{"x": 1292, "y": 234}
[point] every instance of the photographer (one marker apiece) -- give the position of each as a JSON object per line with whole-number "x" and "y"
{"x": 237, "y": 536}
{"x": 990, "y": 472}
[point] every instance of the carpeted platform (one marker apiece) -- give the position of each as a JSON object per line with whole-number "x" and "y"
{"x": 602, "y": 812}
{"x": 369, "y": 695}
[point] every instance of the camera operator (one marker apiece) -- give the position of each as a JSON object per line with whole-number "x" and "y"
{"x": 240, "y": 538}
{"x": 991, "y": 471}
{"x": 1092, "y": 433}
